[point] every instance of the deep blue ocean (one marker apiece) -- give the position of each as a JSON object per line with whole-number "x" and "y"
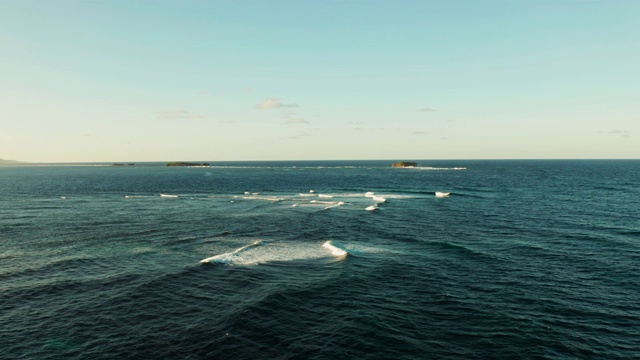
{"x": 523, "y": 260}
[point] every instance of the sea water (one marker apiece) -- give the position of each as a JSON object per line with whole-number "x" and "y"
{"x": 282, "y": 260}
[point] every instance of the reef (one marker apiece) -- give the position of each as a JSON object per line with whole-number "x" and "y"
{"x": 404, "y": 164}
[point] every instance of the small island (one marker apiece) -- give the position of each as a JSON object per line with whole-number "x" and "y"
{"x": 10, "y": 162}
{"x": 404, "y": 164}
{"x": 181, "y": 163}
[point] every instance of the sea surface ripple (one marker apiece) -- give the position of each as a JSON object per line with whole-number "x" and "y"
{"x": 281, "y": 260}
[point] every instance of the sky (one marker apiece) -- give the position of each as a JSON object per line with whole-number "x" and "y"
{"x": 159, "y": 80}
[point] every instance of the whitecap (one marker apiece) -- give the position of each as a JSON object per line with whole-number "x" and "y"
{"x": 261, "y": 252}
{"x": 340, "y": 203}
{"x": 335, "y": 250}
{"x": 227, "y": 258}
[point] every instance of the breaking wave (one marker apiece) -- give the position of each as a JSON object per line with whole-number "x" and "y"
{"x": 261, "y": 252}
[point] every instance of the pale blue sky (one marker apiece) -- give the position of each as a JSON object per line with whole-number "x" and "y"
{"x": 301, "y": 80}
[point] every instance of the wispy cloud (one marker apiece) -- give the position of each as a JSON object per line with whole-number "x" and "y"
{"x": 426, "y": 109}
{"x": 177, "y": 114}
{"x": 292, "y": 119}
{"x": 274, "y": 103}
{"x": 247, "y": 90}
{"x": 419, "y": 133}
{"x": 622, "y": 133}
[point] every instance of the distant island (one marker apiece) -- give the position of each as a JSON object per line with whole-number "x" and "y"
{"x": 9, "y": 162}
{"x": 181, "y": 163}
{"x": 404, "y": 164}
{"x": 119, "y": 164}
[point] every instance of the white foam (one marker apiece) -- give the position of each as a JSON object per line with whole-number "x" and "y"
{"x": 438, "y": 168}
{"x": 335, "y": 250}
{"x": 442, "y": 194}
{"x": 340, "y": 203}
{"x": 372, "y": 207}
{"x": 312, "y": 191}
{"x": 354, "y": 250}
{"x": 369, "y": 194}
{"x": 168, "y": 196}
{"x": 379, "y": 199}
{"x": 227, "y": 258}
{"x": 261, "y": 253}
{"x": 391, "y": 196}
{"x": 325, "y": 196}
{"x": 264, "y": 198}
{"x": 322, "y": 202}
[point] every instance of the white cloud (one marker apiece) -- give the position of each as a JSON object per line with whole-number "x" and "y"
{"x": 419, "y": 133}
{"x": 274, "y": 103}
{"x": 293, "y": 120}
{"x": 622, "y": 133}
{"x": 426, "y": 109}
{"x": 177, "y": 114}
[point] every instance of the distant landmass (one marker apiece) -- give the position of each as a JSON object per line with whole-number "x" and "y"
{"x": 181, "y": 163}
{"x": 404, "y": 164}
{"x": 9, "y": 162}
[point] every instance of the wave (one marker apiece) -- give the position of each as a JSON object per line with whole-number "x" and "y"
{"x": 339, "y": 203}
{"x": 227, "y": 258}
{"x": 379, "y": 199}
{"x": 336, "y": 249}
{"x": 261, "y": 252}
{"x": 264, "y": 198}
{"x": 325, "y": 196}
{"x": 429, "y": 168}
{"x": 442, "y": 194}
{"x": 340, "y": 249}
{"x": 169, "y": 196}
{"x": 372, "y": 207}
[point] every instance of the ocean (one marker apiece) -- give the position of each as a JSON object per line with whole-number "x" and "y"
{"x": 536, "y": 259}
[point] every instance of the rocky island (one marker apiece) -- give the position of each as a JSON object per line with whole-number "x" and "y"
{"x": 181, "y": 163}
{"x": 404, "y": 164}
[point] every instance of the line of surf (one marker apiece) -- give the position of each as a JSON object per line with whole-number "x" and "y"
{"x": 226, "y": 257}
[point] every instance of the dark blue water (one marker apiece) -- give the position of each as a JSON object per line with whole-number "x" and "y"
{"x": 524, "y": 259}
